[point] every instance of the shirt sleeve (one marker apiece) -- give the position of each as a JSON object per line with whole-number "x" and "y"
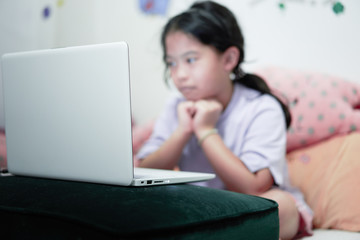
{"x": 163, "y": 128}
{"x": 265, "y": 140}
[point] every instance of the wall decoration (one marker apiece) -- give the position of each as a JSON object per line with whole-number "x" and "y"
{"x": 336, "y": 6}
{"x": 46, "y": 12}
{"x": 155, "y": 7}
{"x": 60, "y": 3}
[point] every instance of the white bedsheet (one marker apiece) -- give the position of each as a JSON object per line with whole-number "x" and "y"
{"x": 330, "y": 234}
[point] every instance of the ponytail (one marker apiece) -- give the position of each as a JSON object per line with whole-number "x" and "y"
{"x": 257, "y": 83}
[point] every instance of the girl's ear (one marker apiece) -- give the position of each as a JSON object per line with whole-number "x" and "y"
{"x": 231, "y": 58}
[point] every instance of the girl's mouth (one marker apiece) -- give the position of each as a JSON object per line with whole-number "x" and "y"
{"x": 186, "y": 90}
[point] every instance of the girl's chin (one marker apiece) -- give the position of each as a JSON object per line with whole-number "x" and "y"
{"x": 191, "y": 98}
{"x": 195, "y": 97}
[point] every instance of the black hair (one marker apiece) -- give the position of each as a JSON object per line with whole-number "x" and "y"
{"x": 215, "y": 25}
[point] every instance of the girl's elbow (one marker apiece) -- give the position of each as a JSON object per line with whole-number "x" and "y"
{"x": 259, "y": 191}
{"x": 249, "y": 188}
{"x": 262, "y": 187}
{"x": 254, "y": 188}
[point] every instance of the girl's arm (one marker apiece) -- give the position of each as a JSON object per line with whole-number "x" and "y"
{"x": 233, "y": 171}
{"x": 168, "y": 155}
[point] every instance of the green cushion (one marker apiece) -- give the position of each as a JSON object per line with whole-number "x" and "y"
{"x": 62, "y": 209}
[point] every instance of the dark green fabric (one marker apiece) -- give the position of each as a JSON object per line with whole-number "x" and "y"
{"x": 65, "y": 209}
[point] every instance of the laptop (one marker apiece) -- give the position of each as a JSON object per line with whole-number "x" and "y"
{"x": 68, "y": 116}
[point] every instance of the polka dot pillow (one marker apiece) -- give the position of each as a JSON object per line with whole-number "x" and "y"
{"x": 3, "y": 158}
{"x": 321, "y": 105}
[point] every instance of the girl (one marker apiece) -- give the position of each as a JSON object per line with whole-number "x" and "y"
{"x": 226, "y": 121}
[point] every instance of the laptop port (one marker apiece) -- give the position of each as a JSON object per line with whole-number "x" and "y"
{"x": 149, "y": 181}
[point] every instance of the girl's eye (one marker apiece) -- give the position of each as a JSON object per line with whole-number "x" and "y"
{"x": 191, "y": 60}
{"x": 171, "y": 64}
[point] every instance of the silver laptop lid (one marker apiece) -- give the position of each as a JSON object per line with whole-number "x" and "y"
{"x": 68, "y": 113}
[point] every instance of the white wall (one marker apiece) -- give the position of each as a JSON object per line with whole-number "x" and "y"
{"x": 304, "y": 36}
{"x": 22, "y": 28}
{"x": 307, "y": 35}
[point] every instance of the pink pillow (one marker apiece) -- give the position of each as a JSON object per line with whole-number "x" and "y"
{"x": 3, "y": 158}
{"x": 321, "y": 105}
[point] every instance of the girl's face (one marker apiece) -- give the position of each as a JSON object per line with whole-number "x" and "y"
{"x": 197, "y": 70}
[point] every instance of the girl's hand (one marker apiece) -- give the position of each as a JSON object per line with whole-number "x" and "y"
{"x": 206, "y": 116}
{"x": 186, "y": 111}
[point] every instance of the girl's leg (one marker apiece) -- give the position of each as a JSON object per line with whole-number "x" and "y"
{"x": 288, "y": 212}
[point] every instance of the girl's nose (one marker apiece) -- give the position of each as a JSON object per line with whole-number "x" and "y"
{"x": 181, "y": 73}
